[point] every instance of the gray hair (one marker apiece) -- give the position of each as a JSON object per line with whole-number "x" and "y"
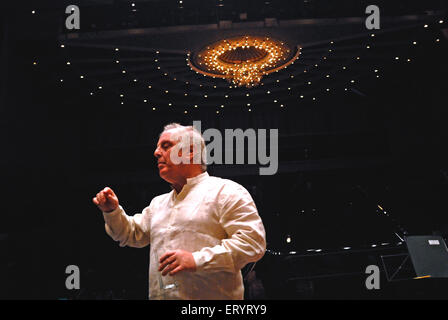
{"x": 179, "y": 131}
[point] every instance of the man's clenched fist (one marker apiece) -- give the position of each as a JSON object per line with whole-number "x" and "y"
{"x": 106, "y": 200}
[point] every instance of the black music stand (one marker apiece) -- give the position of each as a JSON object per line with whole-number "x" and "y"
{"x": 427, "y": 257}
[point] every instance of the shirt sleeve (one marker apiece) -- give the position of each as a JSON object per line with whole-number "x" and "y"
{"x": 132, "y": 231}
{"x": 246, "y": 241}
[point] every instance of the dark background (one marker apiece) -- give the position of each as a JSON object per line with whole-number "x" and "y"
{"x": 380, "y": 142}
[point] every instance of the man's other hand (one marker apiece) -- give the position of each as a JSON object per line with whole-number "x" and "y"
{"x": 106, "y": 200}
{"x": 172, "y": 262}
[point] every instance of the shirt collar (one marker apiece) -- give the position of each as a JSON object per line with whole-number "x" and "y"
{"x": 191, "y": 182}
{"x": 195, "y": 180}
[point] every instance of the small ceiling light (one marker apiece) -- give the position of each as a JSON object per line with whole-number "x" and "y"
{"x": 124, "y": 71}
{"x": 33, "y": 12}
{"x": 414, "y": 43}
{"x": 68, "y": 63}
{"x": 425, "y": 26}
{"x": 82, "y": 77}
{"x": 149, "y": 87}
{"x": 116, "y": 49}
{"x": 440, "y": 21}
{"x": 117, "y": 61}
{"x": 62, "y": 46}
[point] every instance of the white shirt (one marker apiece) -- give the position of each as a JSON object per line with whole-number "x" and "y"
{"x": 215, "y": 219}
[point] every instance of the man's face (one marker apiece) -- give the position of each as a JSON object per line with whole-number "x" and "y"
{"x": 167, "y": 169}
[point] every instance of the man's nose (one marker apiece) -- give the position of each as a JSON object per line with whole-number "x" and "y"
{"x": 157, "y": 153}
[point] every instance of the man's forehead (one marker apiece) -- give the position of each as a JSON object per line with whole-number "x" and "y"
{"x": 165, "y": 136}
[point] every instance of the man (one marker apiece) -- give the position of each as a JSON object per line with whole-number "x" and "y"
{"x": 201, "y": 234}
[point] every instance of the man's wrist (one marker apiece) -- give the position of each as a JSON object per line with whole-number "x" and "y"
{"x": 110, "y": 211}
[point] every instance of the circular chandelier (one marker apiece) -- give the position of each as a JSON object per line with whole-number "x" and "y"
{"x": 243, "y": 60}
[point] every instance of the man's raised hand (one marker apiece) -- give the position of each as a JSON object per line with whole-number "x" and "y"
{"x": 106, "y": 200}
